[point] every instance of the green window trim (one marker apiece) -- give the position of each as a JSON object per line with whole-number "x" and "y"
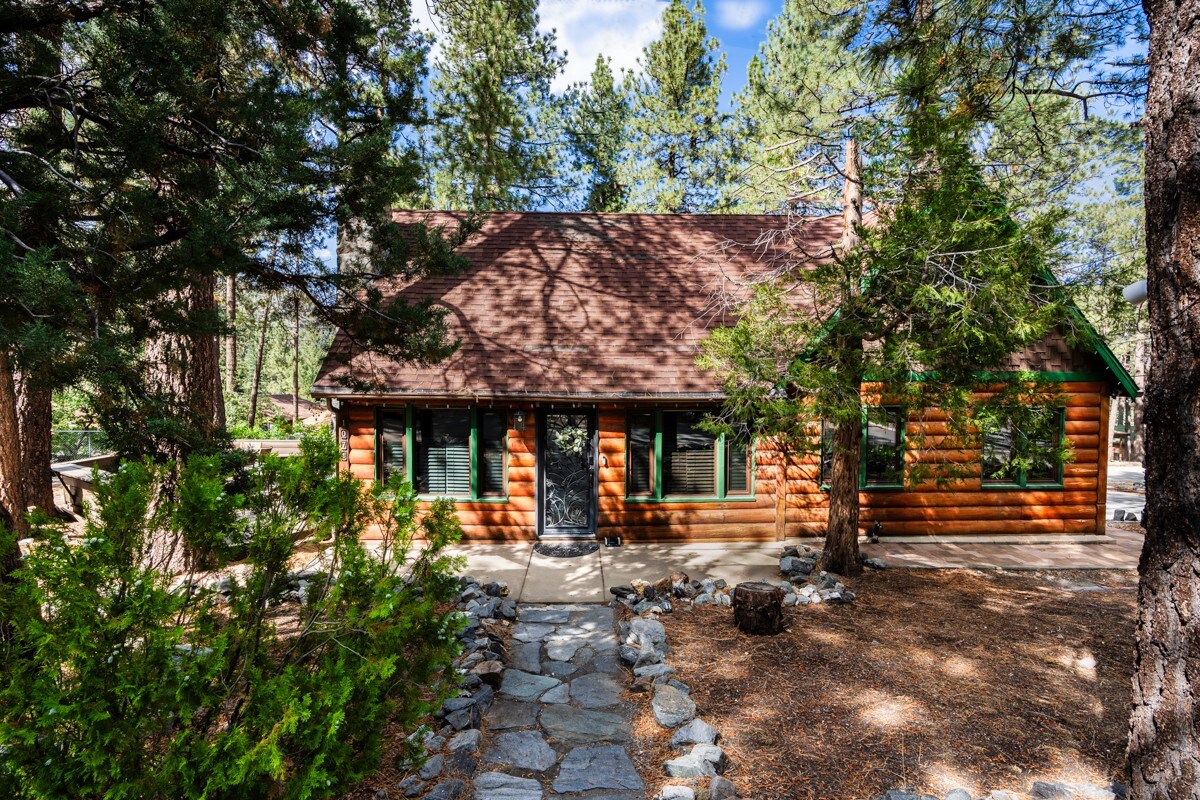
{"x": 901, "y": 444}
{"x": 1022, "y": 482}
{"x": 475, "y": 450}
{"x": 657, "y": 493}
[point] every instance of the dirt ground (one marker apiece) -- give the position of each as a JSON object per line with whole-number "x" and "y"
{"x": 932, "y": 679}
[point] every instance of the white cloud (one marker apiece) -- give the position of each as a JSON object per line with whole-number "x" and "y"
{"x": 740, "y": 15}
{"x": 586, "y": 28}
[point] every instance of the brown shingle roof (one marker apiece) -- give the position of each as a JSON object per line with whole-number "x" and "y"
{"x": 595, "y": 306}
{"x": 577, "y": 305}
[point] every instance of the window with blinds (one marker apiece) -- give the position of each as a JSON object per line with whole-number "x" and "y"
{"x": 493, "y": 427}
{"x": 443, "y": 451}
{"x": 639, "y": 455}
{"x": 393, "y": 429}
{"x": 737, "y": 463}
{"x": 689, "y": 455}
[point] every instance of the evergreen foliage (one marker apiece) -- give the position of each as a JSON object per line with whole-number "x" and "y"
{"x": 676, "y": 158}
{"x": 491, "y": 102}
{"x": 125, "y": 682}
{"x": 597, "y": 128}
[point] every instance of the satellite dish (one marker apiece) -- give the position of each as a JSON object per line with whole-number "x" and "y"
{"x": 1135, "y": 293}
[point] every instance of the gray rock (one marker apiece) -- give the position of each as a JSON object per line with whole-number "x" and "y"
{"x": 596, "y": 690}
{"x": 603, "y": 767}
{"x": 558, "y": 694}
{"x": 531, "y": 632}
{"x": 702, "y": 599}
{"x": 527, "y": 657}
{"x": 900, "y": 794}
{"x": 555, "y": 616}
{"x": 577, "y": 726}
{"x": 677, "y": 793}
{"x": 672, "y": 707}
{"x": 508, "y": 714}
{"x": 957, "y": 794}
{"x": 584, "y": 655}
{"x": 456, "y": 704}
{"x": 412, "y": 786}
{"x": 1051, "y": 791}
{"x": 447, "y": 790}
{"x": 879, "y": 563}
{"x": 464, "y": 718}
{"x": 498, "y": 786}
{"x": 651, "y": 629}
{"x": 1001, "y": 794}
{"x": 559, "y": 669}
{"x": 629, "y": 654}
{"x": 594, "y": 618}
{"x": 432, "y": 767}
{"x": 724, "y": 600}
{"x": 521, "y": 749}
{"x": 722, "y": 789}
{"x": 562, "y": 649}
{"x": 525, "y": 686}
{"x": 653, "y": 670}
{"x": 467, "y": 741}
{"x": 643, "y": 606}
{"x": 703, "y": 761}
{"x": 462, "y": 763}
{"x": 695, "y": 732}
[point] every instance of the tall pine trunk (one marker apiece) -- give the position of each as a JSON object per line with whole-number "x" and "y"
{"x": 231, "y": 336}
{"x": 35, "y": 412}
{"x": 1164, "y": 725}
{"x": 841, "y": 534}
{"x": 296, "y": 359}
{"x": 12, "y": 480}
{"x": 188, "y": 371}
{"x": 258, "y": 360}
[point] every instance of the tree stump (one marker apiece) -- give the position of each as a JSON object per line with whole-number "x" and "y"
{"x": 758, "y": 608}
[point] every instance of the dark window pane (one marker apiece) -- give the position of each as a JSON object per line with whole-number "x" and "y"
{"x": 737, "y": 463}
{"x": 493, "y": 426}
{"x": 639, "y": 455}
{"x": 883, "y": 453}
{"x": 1043, "y": 462}
{"x": 391, "y": 444}
{"x": 689, "y": 455}
{"x": 997, "y": 456}
{"x": 443, "y": 451}
{"x": 828, "y": 437}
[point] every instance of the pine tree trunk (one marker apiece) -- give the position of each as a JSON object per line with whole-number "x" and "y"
{"x": 12, "y": 483}
{"x": 296, "y": 360}
{"x": 1164, "y": 726}
{"x": 188, "y": 371}
{"x": 841, "y": 536}
{"x": 34, "y": 409}
{"x": 258, "y": 359}
{"x": 231, "y": 337}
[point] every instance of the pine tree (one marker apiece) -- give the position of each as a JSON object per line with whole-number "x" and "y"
{"x": 676, "y": 161}
{"x": 805, "y": 88}
{"x": 147, "y": 154}
{"x": 597, "y": 124}
{"x": 491, "y": 95}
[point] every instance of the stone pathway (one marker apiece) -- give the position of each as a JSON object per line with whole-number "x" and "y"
{"x": 558, "y": 727}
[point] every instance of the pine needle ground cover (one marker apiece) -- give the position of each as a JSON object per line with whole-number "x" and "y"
{"x": 932, "y": 679}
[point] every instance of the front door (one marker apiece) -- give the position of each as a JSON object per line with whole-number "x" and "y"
{"x": 567, "y": 473}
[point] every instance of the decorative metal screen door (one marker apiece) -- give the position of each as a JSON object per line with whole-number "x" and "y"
{"x": 567, "y": 473}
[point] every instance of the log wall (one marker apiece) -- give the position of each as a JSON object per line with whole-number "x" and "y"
{"x": 961, "y": 507}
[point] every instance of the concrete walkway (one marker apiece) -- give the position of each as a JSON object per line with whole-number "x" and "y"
{"x": 559, "y": 728}
{"x": 535, "y": 578}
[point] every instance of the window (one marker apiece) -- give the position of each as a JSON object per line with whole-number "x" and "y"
{"x": 443, "y": 452}
{"x": 669, "y": 455}
{"x": 454, "y": 452}
{"x": 639, "y": 455}
{"x": 393, "y": 430}
{"x": 1013, "y": 457}
{"x": 689, "y": 455}
{"x": 883, "y": 448}
{"x": 881, "y": 460}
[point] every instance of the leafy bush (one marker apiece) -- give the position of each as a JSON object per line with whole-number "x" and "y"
{"x": 122, "y": 681}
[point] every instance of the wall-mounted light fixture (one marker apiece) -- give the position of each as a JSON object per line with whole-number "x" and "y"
{"x": 519, "y": 421}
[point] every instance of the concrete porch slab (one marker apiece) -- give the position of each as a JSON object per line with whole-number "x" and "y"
{"x": 735, "y": 562}
{"x": 502, "y": 561}
{"x": 564, "y": 580}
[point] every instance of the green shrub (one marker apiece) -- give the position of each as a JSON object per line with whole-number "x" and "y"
{"x": 122, "y": 681}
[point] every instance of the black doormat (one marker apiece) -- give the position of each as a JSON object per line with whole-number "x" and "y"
{"x": 566, "y": 549}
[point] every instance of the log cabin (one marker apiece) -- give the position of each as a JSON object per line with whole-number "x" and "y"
{"x": 571, "y": 408}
